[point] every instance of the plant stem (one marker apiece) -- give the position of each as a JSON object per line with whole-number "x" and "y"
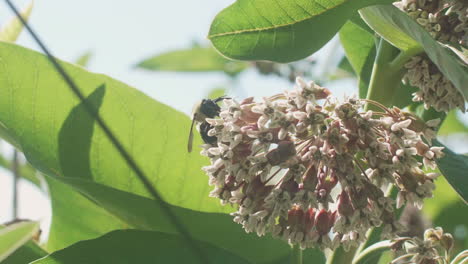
{"x": 404, "y": 56}
{"x": 15, "y": 172}
{"x": 339, "y": 256}
{"x": 296, "y": 256}
{"x": 386, "y": 75}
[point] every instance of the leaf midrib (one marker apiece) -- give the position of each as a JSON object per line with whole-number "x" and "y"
{"x": 274, "y": 27}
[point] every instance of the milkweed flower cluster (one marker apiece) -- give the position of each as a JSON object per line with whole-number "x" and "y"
{"x": 313, "y": 173}
{"x": 447, "y": 22}
{"x": 434, "y": 88}
{"x": 428, "y": 250}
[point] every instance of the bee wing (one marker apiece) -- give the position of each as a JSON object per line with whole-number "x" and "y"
{"x": 190, "y": 138}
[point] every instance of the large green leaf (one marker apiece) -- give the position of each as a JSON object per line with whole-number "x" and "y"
{"x": 12, "y": 29}
{"x": 196, "y": 59}
{"x": 58, "y": 136}
{"x": 280, "y": 30}
{"x": 359, "y": 46}
{"x": 136, "y": 246}
{"x": 218, "y": 229}
{"x": 30, "y": 251}
{"x": 454, "y": 167}
{"x": 406, "y": 34}
{"x": 75, "y": 218}
{"x": 14, "y": 236}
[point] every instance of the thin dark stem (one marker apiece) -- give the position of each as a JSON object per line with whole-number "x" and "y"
{"x": 16, "y": 176}
{"x": 120, "y": 148}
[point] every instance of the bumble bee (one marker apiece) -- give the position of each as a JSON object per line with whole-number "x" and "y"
{"x": 207, "y": 108}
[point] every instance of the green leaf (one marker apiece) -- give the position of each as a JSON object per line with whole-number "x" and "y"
{"x": 280, "y": 30}
{"x": 346, "y": 66}
{"x": 136, "y": 246}
{"x": 12, "y": 29}
{"x": 359, "y": 46}
{"x": 404, "y": 33}
{"x": 61, "y": 139}
{"x": 76, "y": 218}
{"x": 28, "y": 252}
{"x": 196, "y": 59}
{"x": 447, "y": 210}
{"x": 452, "y": 124}
{"x": 83, "y": 60}
{"x": 142, "y": 213}
{"x": 14, "y": 236}
{"x": 372, "y": 253}
{"x": 454, "y": 167}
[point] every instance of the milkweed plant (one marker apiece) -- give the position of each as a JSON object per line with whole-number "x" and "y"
{"x": 300, "y": 176}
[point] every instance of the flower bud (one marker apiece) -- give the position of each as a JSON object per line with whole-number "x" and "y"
{"x": 345, "y": 208}
{"x": 323, "y": 222}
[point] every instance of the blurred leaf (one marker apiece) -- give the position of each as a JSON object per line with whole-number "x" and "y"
{"x": 83, "y": 60}
{"x": 26, "y": 171}
{"x": 281, "y": 30}
{"x": 359, "y": 46}
{"x": 12, "y": 29}
{"x": 30, "y": 251}
{"x": 62, "y": 139}
{"x": 454, "y": 167}
{"x": 372, "y": 254}
{"x": 444, "y": 196}
{"x": 452, "y": 218}
{"x": 14, "y": 236}
{"x": 403, "y": 96}
{"x": 196, "y": 59}
{"x": 142, "y": 213}
{"x": 216, "y": 93}
{"x": 404, "y": 33}
{"x": 452, "y": 124}
{"x": 136, "y": 246}
{"x": 75, "y": 218}
{"x": 346, "y": 66}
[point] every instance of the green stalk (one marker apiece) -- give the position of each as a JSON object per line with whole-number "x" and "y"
{"x": 386, "y": 74}
{"x": 339, "y": 256}
{"x": 296, "y": 256}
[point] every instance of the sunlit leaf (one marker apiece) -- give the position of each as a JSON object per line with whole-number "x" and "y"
{"x": 281, "y": 30}
{"x": 196, "y": 59}
{"x": 406, "y": 34}
{"x": 62, "y": 139}
{"x": 136, "y": 246}
{"x": 30, "y": 251}
{"x": 11, "y": 30}
{"x": 142, "y": 213}
{"x": 14, "y": 236}
{"x": 76, "y": 218}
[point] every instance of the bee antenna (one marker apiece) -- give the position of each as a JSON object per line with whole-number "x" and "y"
{"x": 221, "y": 98}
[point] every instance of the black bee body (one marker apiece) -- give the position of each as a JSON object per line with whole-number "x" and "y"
{"x": 207, "y": 108}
